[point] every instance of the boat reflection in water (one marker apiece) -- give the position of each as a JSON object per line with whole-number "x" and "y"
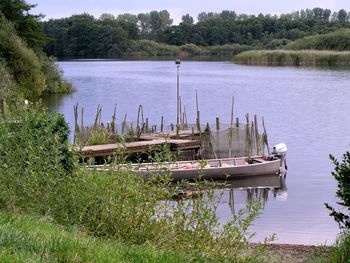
{"x": 239, "y": 192}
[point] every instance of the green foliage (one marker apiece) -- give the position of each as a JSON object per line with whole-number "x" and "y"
{"x": 98, "y": 136}
{"x": 34, "y": 158}
{"x": 27, "y": 26}
{"x": 53, "y": 76}
{"x": 7, "y": 84}
{"x": 225, "y": 50}
{"x": 191, "y": 49}
{"x": 32, "y": 73}
{"x": 338, "y": 40}
{"x": 342, "y": 174}
{"x": 151, "y": 48}
{"x": 339, "y": 253}
{"x": 21, "y": 61}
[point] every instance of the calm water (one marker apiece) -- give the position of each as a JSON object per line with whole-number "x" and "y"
{"x": 305, "y": 108}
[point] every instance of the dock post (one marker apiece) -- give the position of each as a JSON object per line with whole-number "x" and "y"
{"x": 217, "y": 136}
{"x": 198, "y": 121}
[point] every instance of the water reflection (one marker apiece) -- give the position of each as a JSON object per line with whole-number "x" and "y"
{"x": 255, "y": 189}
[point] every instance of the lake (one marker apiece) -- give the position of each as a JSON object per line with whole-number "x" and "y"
{"x": 306, "y": 108}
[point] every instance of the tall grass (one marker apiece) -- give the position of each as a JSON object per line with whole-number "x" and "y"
{"x": 338, "y": 40}
{"x": 38, "y": 175}
{"x": 26, "y": 238}
{"x": 339, "y": 253}
{"x": 293, "y": 58}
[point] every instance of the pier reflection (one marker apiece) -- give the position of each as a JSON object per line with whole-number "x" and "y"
{"x": 239, "y": 192}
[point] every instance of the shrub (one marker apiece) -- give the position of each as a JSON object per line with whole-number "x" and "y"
{"x": 192, "y": 49}
{"x": 7, "y": 84}
{"x": 53, "y": 76}
{"x": 33, "y": 73}
{"x": 22, "y": 62}
{"x": 342, "y": 174}
{"x": 34, "y": 159}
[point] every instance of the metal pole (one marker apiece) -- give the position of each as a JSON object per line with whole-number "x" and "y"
{"x": 178, "y": 62}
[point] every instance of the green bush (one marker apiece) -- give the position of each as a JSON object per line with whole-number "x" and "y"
{"x": 34, "y": 158}
{"x": 150, "y": 48}
{"x": 192, "y": 49}
{"x": 342, "y": 174}
{"x": 32, "y": 73}
{"x": 53, "y": 76}
{"x": 7, "y": 84}
{"x": 22, "y": 62}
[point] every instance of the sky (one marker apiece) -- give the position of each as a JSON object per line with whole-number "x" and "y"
{"x": 177, "y": 8}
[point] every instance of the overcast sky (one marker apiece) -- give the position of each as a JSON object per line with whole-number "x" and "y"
{"x": 177, "y": 8}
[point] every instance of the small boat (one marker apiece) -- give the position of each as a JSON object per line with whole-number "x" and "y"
{"x": 219, "y": 168}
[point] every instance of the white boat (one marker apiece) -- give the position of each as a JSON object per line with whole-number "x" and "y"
{"x": 219, "y": 168}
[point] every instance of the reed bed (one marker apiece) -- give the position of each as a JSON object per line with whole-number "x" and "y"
{"x": 294, "y": 58}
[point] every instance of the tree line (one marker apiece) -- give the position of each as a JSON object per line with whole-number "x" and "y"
{"x": 114, "y": 36}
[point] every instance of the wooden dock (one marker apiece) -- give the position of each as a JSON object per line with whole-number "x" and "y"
{"x": 137, "y": 147}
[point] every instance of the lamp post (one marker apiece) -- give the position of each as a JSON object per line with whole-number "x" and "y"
{"x": 177, "y": 63}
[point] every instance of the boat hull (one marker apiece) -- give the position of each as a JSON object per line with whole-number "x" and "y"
{"x": 215, "y": 173}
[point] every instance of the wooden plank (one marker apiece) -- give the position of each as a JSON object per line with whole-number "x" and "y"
{"x": 110, "y": 149}
{"x": 137, "y": 147}
{"x": 184, "y": 144}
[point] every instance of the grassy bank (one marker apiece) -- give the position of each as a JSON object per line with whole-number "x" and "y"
{"x": 26, "y": 238}
{"x": 293, "y": 58}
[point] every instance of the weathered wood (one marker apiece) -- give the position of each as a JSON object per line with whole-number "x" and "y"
{"x": 136, "y": 147}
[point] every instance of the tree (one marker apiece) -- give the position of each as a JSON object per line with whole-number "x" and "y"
{"x": 144, "y": 24}
{"x": 159, "y": 21}
{"x": 342, "y": 174}
{"x": 27, "y": 26}
{"x": 342, "y": 15}
{"x": 107, "y": 17}
{"x": 187, "y": 19}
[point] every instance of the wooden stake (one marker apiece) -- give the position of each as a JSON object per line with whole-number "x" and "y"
{"x": 198, "y": 121}
{"x": 265, "y": 136}
{"x": 114, "y": 118}
{"x": 217, "y": 135}
{"x": 124, "y": 123}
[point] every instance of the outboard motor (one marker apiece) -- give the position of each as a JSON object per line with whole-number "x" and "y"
{"x": 280, "y": 151}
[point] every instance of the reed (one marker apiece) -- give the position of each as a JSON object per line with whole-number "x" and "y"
{"x": 338, "y": 40}
{"x": 294, "y": 58}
